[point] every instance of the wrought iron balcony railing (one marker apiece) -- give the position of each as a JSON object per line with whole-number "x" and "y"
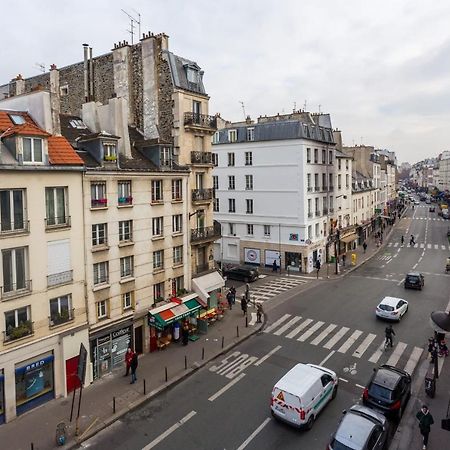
{"x": 16, "y": 227}
{"x": 200, "y": 120}
{"x": 60, "y": 318}
{"x": 199, "y": 195}
{"x": 201, "y": 157}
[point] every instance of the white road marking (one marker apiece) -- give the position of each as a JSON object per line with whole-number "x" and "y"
{"x": 268, "y": 355}
{"x": 358, "y": 385}
{"x": 226, "y": 387}
{"x": 350, "y": 341}
{"x": 324, "y": 334}
{"x": 416, "y": 245}
{"x": 364, "y": 345}
{"x": 422, "y": 245}
{"x": 169, "y": 431}
{"x": 398, "y": 351}
{"x": 390, "y": 244}
{"x": 343, "y": 379}
{"x": 287, "y": 325}
{"x": 254, "y": 434}
{"x": 327, "y": 358}
{"x": 297, "y": 330}
{"x": 400, "y": 282}
{"x": 440, "y": 364}
{"x": 376, "y": 356}
{"x": 309, "y": 332}
{"x": 276, "y": 323}
{"x": 339, "y": 335}
{"x": 442, "y": 247}
{"x": 428, "y": 246}
{"x": 396, "y": 244}
{"x": 413, "y": 360}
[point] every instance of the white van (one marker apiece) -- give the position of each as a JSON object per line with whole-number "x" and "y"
{"x": 300, "y": 395}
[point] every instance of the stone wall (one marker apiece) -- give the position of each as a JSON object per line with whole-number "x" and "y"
{"x": 136, "y": 91}
{"x": 165, "y": 101}
{"x": 103, "y": 78}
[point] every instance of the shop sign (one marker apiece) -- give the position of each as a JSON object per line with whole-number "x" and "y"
{"x": 121, "y": 332}
{"x": 82, "y": 360}
{"x": 293, "y": 236}
{"x": 34, "y": 365}
{"x": 252, "y": 255}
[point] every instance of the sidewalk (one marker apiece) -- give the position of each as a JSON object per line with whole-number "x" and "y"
{"x": 38, "y": 426}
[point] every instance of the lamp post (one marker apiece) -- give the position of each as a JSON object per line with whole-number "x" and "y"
{"x": 337, "y": 239}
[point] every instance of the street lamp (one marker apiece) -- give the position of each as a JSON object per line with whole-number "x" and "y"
{"x": 336, "y": 240}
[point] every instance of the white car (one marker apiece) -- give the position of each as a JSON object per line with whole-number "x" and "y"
{"x": 392, "y": 308}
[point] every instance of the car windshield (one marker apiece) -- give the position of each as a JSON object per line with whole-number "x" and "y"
{"x": 376, "y": 390}
{"x": 336, "y": 445}
{"x": 413, "y": 278}
{"x": 386, "y": 307}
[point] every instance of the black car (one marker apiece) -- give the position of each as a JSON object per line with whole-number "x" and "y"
{"x": 242, "y": 273}
{"x": 414, "y": 280}
{"x": 388, "y": 391}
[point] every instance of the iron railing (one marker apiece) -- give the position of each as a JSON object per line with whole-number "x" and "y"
{"x": 205, "y": 233}
{"x": 199, "y": 195}
{"x": 200, "y": 120}
{"x": 201, "y": 157}
{"x": 15, "y": 289}
{"x": 59, "y": 278}
{"x": 18, "y": 226}
{"x": 56, "y": 222}
{"x": 62, "y": 317}
{"x": 99, "y": 203}
{"x": 22, "y": 330}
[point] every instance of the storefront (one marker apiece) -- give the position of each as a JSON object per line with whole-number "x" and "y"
{"x": 165, "y": 322}
{"x": 209, "y": 289}
{"x": 347, "y": 243}
{"x": 108, "y": 348}
{"x": 2, "y": 398}
{"x": 34, "y": 382}
{"x": 293, "y": 261}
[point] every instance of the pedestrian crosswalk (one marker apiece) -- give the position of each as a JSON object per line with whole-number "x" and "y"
{"x": 436, "y": 219}
{"x": 428, "y": 246}
{"x": 342, "y": 339}
{"x": 275, "y": 286}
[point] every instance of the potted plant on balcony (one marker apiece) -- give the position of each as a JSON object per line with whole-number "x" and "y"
{"x": 23, "y": 329}
{"x": 110, "y": 158}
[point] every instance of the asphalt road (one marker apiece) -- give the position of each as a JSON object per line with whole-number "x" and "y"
{"x": 226, "y": 404}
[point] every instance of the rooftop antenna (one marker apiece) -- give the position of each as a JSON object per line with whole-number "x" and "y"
{"x": 243, "y": 109}
{"x": 319, "y": 109}
{"x": 304, "y": 106}
{"x": 40, "y": 66}
{"x": 295, "y": 106}
{"x": 133, "y": 20}
{"x": 362, "y": 140}
{"x": 138, "y": 21}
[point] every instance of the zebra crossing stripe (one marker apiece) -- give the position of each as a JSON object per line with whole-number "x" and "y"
{"x": 398, "y": 351}
{"x": 396, "y": 244}
{"x": 416, "y": 245}
{"x": 297, "y": 330}
{"x": 276, "y": 323}
{"x": 339, "y": 335}
{"x": 436, "y": 246}
{"x": 376, "y": 356}
{"x": 350, "y": 341}
{"x": 428, "y": 246}
{"x": 422, "y": 245}
{"x": 309, "y": 332}
{"x": 390, "y": 244}
{"x": 364, "y": 345}
{"x": 324, "y": 334}
{"x": 413, "y": 360}
{"x": 443, "y": 247}
{"x": 287, "y": 325}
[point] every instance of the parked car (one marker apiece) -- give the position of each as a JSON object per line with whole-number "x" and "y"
{"x": 392, "y": 308}
{"x": 242, "y": 273}
{"x": 414, "y": 280}
{"x": 388, "y": 391}
{"x": 416, "y": 202}
{"x": 361, "y": 428}
{"x": 432, "y": 208}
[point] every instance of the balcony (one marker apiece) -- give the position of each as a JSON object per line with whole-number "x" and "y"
{"x": 13, "y": 290}
{"x": 201, "y": 158}
{"x": 331, "y": 188}
{"x": 202, "y": 195}
{"x": 196, "y": 121}
{"x": 57, "y": 222}
{"x": 59, "y": 278}
{"x": 16, "y": 227}
{"x": 24, "y": 329}
{"x": 99, "y": 203}
{"x": 317, "y": 188}
{"x": 61, "y": 318}
{"x": 206, "y": 233}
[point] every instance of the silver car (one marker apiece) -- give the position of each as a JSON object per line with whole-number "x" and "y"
{"x": 361, "y": 428}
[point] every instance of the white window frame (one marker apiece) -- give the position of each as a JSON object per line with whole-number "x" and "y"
{"x": 177, "y": 189}
{"x": 125, "y": 231}
{"x": 158, "y": 226}
{"x": 158, "y": 260}
{"x": 158, "y": 291}
{"x": 110, "y": 151}
{"x": 33, "y": 141}
{"x": 177, "y": 223}
{"x": 157, "y": 191}
{"x": 102, "y": 309}
{"x": 178, "y": 254}
{"x": 249, "y": 182}
{"x": 128, "y": 300}
{"x": 127, "y": 267}
{"x": 11, "y": 223}
{"x": 249, "y": 205}
{"x": 249, "y": 158}
{"x": 216, "y": 205}
{"x": 251, "y": 134}
{"x": 16, "y": 315}
{"x": 13, "y": 269}
{"x": 232, "y": 229}
{"x": 266, "y": 230}
{"x": 99, "y": 277}
{"x": 231, "y": 182}
{"x": 59, "y": 217}
{"x": 232, "y": 136}
{"x": 98, "y": 192}
{"x": 215, "y": 182}
{"x": 231, "y": 205}
{"x": 250, "y": 229}
{"x": 60, "y": 310}
{"x": 124, "y": 191}
{"x": 99, "y": 234}
{"x": 215, "y": 159}
{"x": 231, "y": 159}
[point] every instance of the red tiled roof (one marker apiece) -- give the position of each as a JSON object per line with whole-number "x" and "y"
{"x": 26, "y": 129}
{"x": 61, "y": 152}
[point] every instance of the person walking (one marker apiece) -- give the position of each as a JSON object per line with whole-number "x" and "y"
{"x": 128, "y": 358}
{"x": 425, "y": 421}
{"x": 233, "y": 292}
{"x": 244, "y": 304}
{"x": 133, "y": 367}
{"x": 344, "y": 257}
{"x": 389, "y": 333}
{"x": 230, "y": 299}
{"x": 259, "y": 313}
{"x": 247, "y": 294}
{"x": 274, "y": 266}
{"x": 365, "y": 246}
{"x": 185, "y": 334}
{"x": 402, "y": 240}
{"x": 318, "y": 268}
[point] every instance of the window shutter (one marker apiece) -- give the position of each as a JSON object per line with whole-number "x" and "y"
{"x": 58, "y": 256}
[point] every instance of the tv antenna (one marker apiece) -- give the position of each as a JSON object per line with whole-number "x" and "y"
{"x": 320, "y": 106}
{"x": 243, "y": 109}
{"x": 133, "y": 21}
{"x": 40, "y": 67}
{"x": 295, "y": 106}
{"x": 304, "y": 106}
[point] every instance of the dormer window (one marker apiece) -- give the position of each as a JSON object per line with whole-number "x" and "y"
{"x": 192, "y": 75}
{"x": 110, "y": 151}
{"x": 166, "y": 156}
{"x": 16, "y": 119}
{"x": 32, "y": 150}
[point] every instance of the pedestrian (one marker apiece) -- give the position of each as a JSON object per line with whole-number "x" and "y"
{"x": 233, "y": 292}
{"x": 425, "y": 421}
{"x": 274, "y": 266}
{"x": 247, "y": 294}
{"x": 365, "y": 246}
{"x": 403, "y": 240}
{"x": 344, "y": 257}
{"x": 133, "y": 367}
{"x": 185, "y": 334}
{"x": 128, "y": 358}
{"x": 259, "y": 313}
{"x": 318, "y": 268}
{"x": 244, "y": 304}
{"x": 230, "y": 299}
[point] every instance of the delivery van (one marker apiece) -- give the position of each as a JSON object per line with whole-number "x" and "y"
{"x": 302, "y": 393}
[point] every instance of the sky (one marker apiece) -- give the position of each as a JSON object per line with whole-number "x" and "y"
{"x": 380, "y": 68}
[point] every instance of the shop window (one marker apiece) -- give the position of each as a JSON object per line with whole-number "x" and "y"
{"x": 102, "y": 309}
{"x": 177, "y": 190}
{"x": 158, "y": 292}
{"x": 125, "y": 231}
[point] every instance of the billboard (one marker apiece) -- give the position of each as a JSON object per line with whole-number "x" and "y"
{"x": 252, "y": 255}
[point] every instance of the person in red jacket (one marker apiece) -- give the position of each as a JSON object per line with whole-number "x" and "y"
{"x": 128, "y": 358}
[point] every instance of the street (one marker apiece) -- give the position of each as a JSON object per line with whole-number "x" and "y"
{"x": 226, "y": 404}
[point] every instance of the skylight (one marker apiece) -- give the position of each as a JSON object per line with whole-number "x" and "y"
{"x": 78, "y": 123}
{"x": 16, "y": 119}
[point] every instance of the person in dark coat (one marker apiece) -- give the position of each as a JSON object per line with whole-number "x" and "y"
{"x": 365, "y": 246}
{"x": 425, "y": 421}
{"x": 233, "y": 292}
{"x": 318, "y": 267}
{"x": 185, "y": 334}
{"x": 244, "y": 304}
{"x": 128, "y": 358}
{"x": 133, "y": 367}
{"x": 259, "y": 313}
{"x": 274, "y": 266}
{"x": 230, "y": 299}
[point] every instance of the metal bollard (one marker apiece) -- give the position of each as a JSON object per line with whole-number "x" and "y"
{"x": 32, "y": 446}
{"x": 145, "y": 390}
{"x": 114, "y": 405}
{"x": 246, "y": 321}
{"x": 203, "y": 353}
{"x": 166, "y": 374}
{"x": 223, "y": 341}
{"x": 185, "y": 362}
{"x": 237, "y": 330}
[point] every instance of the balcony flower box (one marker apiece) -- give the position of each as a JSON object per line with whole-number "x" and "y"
{"x": 99, "y": 202}
{"x": 24, "y": 329}
{"x": 110, "y": 158}
{"x": 125, "y": 200}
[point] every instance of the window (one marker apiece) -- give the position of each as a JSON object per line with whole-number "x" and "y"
{"x": 128, "y": 300}
{"x": 230, "y": 159}
{"x": 32, "y": 150}
{"x": 99, "y": 234}
{"x": 178, "y": 254}
{"x": 12, "y": 210}
{"x": 309, "y": 231}
{"x": 110, "y": 151}
{"x": 216, "y": 138}
{"x": 250, "y": 229}
{"x": 55, "y": 206}
{"x": 102, "y": 309}
{"x": 309, "y": 207}
{"x": 316, "y": 155}
{"x": 60, "y": 310}
{"x": 248, "y": 158}
{"x": 346, "y": 164}
{"x": 98, "y": 195}
{"x": 232, "y": 229}
{"x": 231, "y": 205}
{"x": 339, "y": 164}
{"x": 165, "y": 156}
{"x": 317, "y": 229}
{"x": 157, "y": 193}
{"x": 77, "y": 123}
{"x": 267, "y": 230}
{"x": 330, "y": 180}
{"x": 308, "y": 155}
{"x": 16, "y": 119}
{"x": 64, "y": 91}
{"x": 216, "y": 205}
{"x": 317, "y": 206}
{"x": 339, "y": 182}
{"x": 330, "y": 157}
{"x": 124, "y": 193}
{"x": 126, "y": 267}
{"x": 59, "y": 264}
{"x": 215, "y": 159}
{"x": 101, "y": 273}
{"x": 178, "y": 286}
{"x": 17, "y": 323}
{"x": 249, "y": 182}
{"x": 324, "y": 156}
{"x": 177, "y": 223}
{"x": 157, "y": 226}
{"x": 249, "y": 203}
{"x": 324, "y": 181}
{"x": 14, "y": 270}
{"x": 250, "y": 134}
{"x": 231, "y": 182}
{"x": 215, "y": 182}
{"x": 316, "y": 182}
{"x": 158, "y": 292}
{"x": 308, "y": 182}
{"x": 232, "y": 136}
{"x": 125, "y": 231}
{"x": 158, "y": 259}
{"x": 347, "y": 180}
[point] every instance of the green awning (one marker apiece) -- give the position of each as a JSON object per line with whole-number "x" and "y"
{"x": 174, "y": 312}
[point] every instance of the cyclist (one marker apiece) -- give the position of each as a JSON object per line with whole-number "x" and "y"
{"x": 388, "y": 333}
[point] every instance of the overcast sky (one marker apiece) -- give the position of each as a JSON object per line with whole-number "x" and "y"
{"x": 380, "y": 68}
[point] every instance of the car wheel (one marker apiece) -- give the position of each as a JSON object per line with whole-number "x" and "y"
{"x": 333, "y": 395}
{"x": 310, "y": 422}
